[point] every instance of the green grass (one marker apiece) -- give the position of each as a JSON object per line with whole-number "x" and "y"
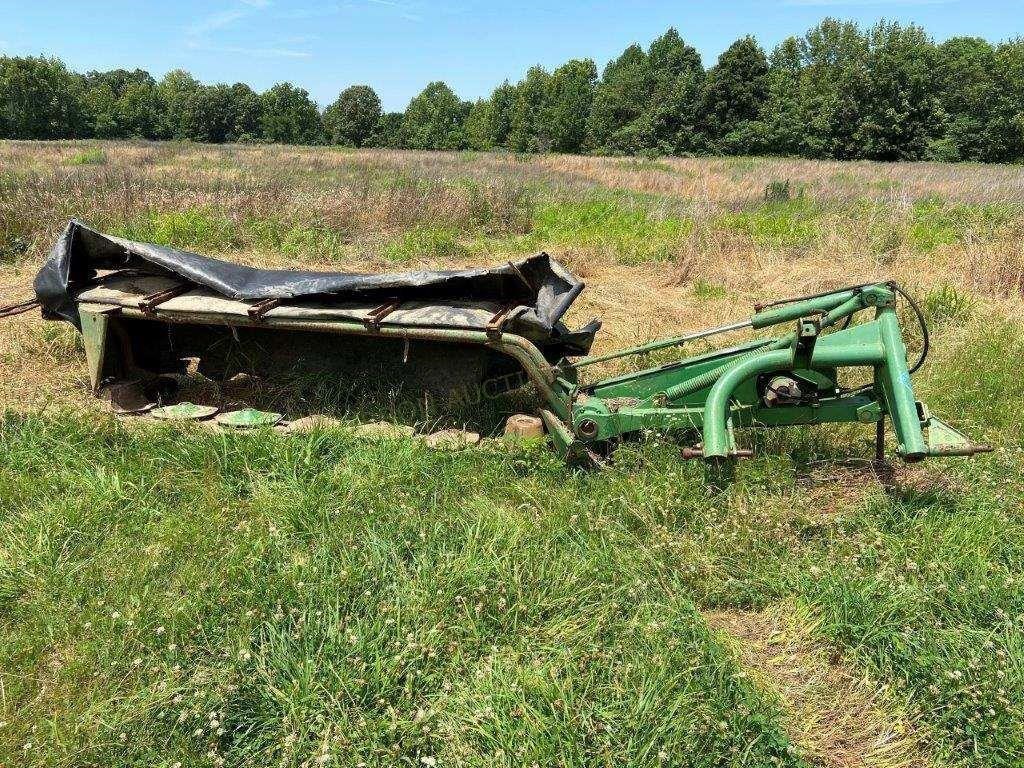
{"x": 645, "y": 165}
{"x": 624, "y": 227}
{"x": 935, "y": 222}
{"x": 425, "y": 242}
{"x": 272, "y": 599}
{"x": 257, "y": 599}
{"x": 95, "y": 156}
{"x": 197, "y": 229}
{"x": 208, "y": 231}
{"x": 790, "y": 223}
{"x": 706, "y": 291}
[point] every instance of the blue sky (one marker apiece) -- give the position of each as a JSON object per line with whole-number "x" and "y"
{"x": 397, "y": 46}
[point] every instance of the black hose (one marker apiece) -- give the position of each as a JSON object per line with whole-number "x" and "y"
{"x": 925, "y": 341}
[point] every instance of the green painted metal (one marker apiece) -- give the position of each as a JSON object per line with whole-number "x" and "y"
{"x": 94, "y": 337}
{"x": 249, "y": 418}
{"x": 184, "y": 412}
{"x": 717, "y": 441}
{"x": 715, "y": 392}
{"x": 943, "y": 440}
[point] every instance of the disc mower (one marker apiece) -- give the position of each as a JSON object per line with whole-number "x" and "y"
{"x": 144, "y": 309}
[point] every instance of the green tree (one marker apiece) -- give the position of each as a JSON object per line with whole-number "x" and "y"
{"x": 219, "y": 113}
{"x": 246, "y": 114}
{"x": 833, "y": 87}
{"x": 1005, "y": 134}
{"x": 733, "y": 96}
{"x": 387, "y": 133}
{"x": 290, "y": 116}
{"x": 530, "y": 130}
{"x": 900, "y": 112}
{"x": 435, "y": 119}
{"x": 621, "y": 99}
{"x": 503, "y": 102}
{"x": 780, "y": 128}
{"x": 569, "y": 98}
{"x": 677, "y": 75}
{"x": 350, "y": 120}
{"x": 99, "y": 104}
{"x": 39, "y": 99}
{"x": 122, "y": 103}
{"x": 479, "y": 125}
{"x": 208, "y": 114}
{"x": 964, "y": 86}
{"x": 140, "y": 111}
{"x": 174, "y": 90}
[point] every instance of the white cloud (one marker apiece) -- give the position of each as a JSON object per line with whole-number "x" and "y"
{"x": 403, "y": 10}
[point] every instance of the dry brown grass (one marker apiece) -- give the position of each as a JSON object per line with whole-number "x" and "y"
{"x": 836, "y": 717}
{"x": 325, "y": 208}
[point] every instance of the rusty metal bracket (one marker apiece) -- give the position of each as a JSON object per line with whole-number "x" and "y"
{"x": 259, "y": 310}
{"x": 148, "y": 304}
{"x": 373, "y": 320}
{"x": 494, "y": 325}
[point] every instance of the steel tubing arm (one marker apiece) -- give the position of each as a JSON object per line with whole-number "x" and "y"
{"x": 716, "y": 433}
{"x": 899, "y": 393}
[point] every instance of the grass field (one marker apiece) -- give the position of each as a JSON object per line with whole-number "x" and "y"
{"x": 182, "y": 597}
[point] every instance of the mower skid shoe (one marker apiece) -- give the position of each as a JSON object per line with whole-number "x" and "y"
{"x": 944, "y": 440}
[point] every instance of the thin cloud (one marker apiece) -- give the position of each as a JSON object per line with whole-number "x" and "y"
{"x": 837, "y": 3}
{"x": 402, "y": 10}
{"x": 200, "y": 34}
{"x": 263, "y": 53}
{"x": 216, "y": 21}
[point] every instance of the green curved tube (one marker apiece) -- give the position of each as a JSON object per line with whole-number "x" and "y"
{"x": 716, "y": 432}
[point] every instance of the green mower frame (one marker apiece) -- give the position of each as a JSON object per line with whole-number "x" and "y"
{"x": 782, "y": 381}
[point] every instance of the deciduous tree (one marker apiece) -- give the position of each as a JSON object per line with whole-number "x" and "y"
{"x": 569, "y": 98}
{"x": 435, "y": 119}
{"x": 39, "y": 99}
{"x": 621, "y": 99}
{"x": 290, "y": 116}
{"x": 350, "y": 120}
{"x": 900, "y": 112}
{"x": 734, "y": 93}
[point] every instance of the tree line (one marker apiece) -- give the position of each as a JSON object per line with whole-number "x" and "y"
{"x": 888, "y": 92}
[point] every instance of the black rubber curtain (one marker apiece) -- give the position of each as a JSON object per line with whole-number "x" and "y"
{"x": 539, "y": 286}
